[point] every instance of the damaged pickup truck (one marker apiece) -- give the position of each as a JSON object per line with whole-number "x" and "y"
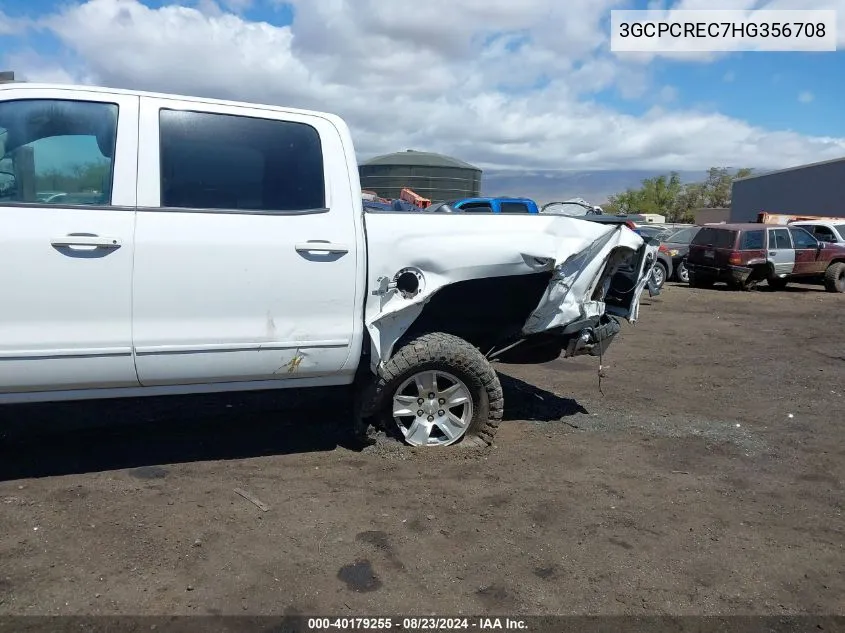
{"x": 210, "y": 246}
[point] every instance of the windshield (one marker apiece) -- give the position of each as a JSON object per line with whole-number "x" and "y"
{"x": 573, "y": 209}
{"x": 653, "y": 231}
{"x": 442, "y": 207}
{"x": 684, "y": 236}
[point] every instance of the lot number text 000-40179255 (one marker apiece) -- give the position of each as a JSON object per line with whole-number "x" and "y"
{"x": 417, "y": 623}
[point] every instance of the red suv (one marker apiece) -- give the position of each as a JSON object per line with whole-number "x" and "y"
{"x": 742, "y": 255}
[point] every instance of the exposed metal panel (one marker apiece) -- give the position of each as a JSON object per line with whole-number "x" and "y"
{"x": 814, "y": 190}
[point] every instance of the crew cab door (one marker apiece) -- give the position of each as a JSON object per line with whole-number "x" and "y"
{"x": 780, "y": 252}
{"x": 67, "y": 213}
{"x": 246, "y": 246}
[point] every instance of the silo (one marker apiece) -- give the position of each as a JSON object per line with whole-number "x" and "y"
{"x": 432, "y": 176}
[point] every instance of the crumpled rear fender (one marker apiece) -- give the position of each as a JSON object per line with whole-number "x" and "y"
{"x": 412, "y": 256}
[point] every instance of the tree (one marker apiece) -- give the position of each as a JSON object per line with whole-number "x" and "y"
{"x": 666, "y": 195}
{"x": 691, "y": 197}
{"x": 718, "y": 186}
{"x": 73, "y": 178}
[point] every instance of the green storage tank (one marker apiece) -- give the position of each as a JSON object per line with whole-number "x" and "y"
{"x": 433, "y": 176}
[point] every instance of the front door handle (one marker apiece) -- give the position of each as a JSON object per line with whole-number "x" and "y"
{"x": 320, "y": 247}
{"x": 85, "y": 240}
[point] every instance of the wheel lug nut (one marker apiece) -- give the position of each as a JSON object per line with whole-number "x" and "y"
{"x": 431, "y": 396}
{"x": 442, "y": 401}
{"x": 420, "y": 413}
{"x": 431, "y": 418}
{"x": 441, "y": 413}
{"x": 420, "y": 401}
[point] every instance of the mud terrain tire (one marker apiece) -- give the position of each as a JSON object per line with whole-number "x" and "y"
{"x": 834, "y": 277}
{"x": 444, "y": 353}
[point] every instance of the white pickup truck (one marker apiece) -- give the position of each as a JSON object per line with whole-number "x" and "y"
{"x": 156, "y": 244}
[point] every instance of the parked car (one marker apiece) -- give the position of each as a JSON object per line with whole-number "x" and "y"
{"x": 576, "y": 207}
{"x": 663, "y": 267}
{"x": 742, "y": 255}
{"x": 230, "y": 250}
{"x": 655, "y": 283}
{"x": 824, "y": 231}
{"x": 495, "y": 205}
{"x": 675, "y": 247}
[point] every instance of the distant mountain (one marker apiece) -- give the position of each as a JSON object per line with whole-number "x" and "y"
{"x": 593, "y": 186}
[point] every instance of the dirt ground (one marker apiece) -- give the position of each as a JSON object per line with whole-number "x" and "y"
{"x": 707, "y": 479}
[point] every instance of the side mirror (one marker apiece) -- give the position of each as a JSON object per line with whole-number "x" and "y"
{"x": 821, "y": 245}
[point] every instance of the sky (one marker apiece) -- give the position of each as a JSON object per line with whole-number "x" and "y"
{"x": 517, "y": 85}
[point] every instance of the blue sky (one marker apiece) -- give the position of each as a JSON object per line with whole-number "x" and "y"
{"x": 370, "y": 60}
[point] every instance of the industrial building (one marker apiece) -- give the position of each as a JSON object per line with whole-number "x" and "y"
{"x": 814, "y": 189}
{"x": 433, "y": 176}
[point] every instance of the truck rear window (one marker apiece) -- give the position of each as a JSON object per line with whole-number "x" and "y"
{"x": 752, "y": 241}
{"x": 717, "y": 238}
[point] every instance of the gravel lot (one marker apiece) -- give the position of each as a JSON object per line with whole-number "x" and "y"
{"x": 706, "y": 479}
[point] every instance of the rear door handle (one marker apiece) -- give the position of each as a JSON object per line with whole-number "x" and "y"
{"x": 321, "y": 247}
{"x": 86, "y": 240}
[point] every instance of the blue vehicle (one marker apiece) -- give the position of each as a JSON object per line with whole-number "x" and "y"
{"x": 495, "y": 205}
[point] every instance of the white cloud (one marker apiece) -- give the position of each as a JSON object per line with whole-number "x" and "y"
{"x": 806, "y": 97}
{"x": 12, "y": 26}
{"x": 498, "y": 83}
{"x": 668, "y": 94}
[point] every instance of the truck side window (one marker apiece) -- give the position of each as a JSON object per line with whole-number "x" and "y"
{"x": 823, "y": 233}
{"x": 57, "y": 152}
{"x": 802, "y": 238}
{"x": 223, "y": 161}
{"x": 752, "y": 240}
{"x": 514, "y": 207}
{"x": 779, "y": 239}
{"x": 476, "y": 207}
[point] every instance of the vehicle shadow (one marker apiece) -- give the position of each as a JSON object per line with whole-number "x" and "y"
{"x": 791, "y": 288}
{"x": 524, "y": 401}
{"x": 49, "y": 439}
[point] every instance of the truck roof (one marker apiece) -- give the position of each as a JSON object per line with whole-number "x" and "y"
{"x": 742, "y": 226}
{"x": 163, "y": 95}
{"x": 491, "y": 198}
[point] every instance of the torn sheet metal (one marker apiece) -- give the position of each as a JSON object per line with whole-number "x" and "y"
{"x": 448, "y": 248}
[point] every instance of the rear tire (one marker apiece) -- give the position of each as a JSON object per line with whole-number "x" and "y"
{"x": 446, "y": 366}
{"x": 659, "y": 274}
{"x": 834, "y": 278}
{"x": 682, "y": 272}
